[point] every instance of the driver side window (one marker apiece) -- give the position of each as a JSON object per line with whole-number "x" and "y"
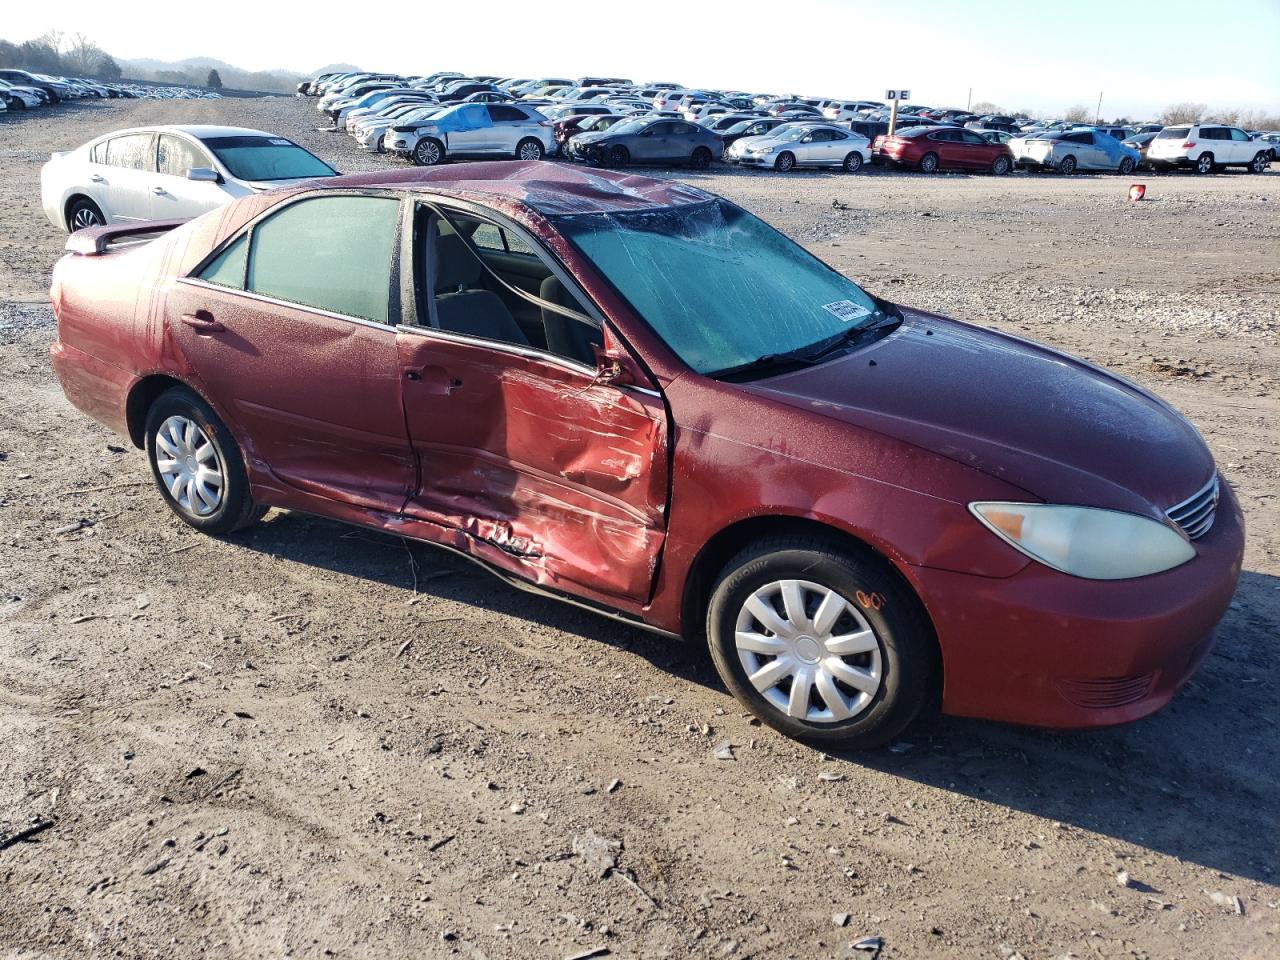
{"x": 482, "y": 280}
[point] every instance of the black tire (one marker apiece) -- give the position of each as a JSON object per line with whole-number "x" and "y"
{"x": 1067, "y": 165}
{"x": 1205, "y": 164}
{"x": 903, "y": 636}
{"x": 929, "y": 163}
{"x": 1260, "y": 162}
{"x": 1126, "y": 166}
{"x": 619, "y": 156}
{"x": 428, "y": 152}
{"x": 235, "y": 509}
{"x": 82, "y": 213}
{"x": 530, "y": 149}
{"x": 786, "y": 162}
{"x": 701, "y": 158}
{"x": 381, "y": 145}
{"x": 17, "y": 103}
{"x": 852, "y": 163}
{"x": 1001, "y": 165}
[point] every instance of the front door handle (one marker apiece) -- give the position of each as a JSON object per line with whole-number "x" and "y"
{"x": 434, "y": 379}
{"x": 98, "y": 178}
{"x": 202, "y": 324}
{"x": 158, "y": 191}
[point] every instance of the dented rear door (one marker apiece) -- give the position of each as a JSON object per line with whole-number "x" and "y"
{"x": 551, "y": 475}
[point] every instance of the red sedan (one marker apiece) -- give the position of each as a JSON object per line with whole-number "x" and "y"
{"x": 859, "y": 506}
{"x": 929, "y": 149}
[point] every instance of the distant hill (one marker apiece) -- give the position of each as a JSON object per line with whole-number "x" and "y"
{"x": 195, "y": 70}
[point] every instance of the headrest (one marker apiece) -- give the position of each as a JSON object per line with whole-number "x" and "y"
{"x": 455, "y": 265}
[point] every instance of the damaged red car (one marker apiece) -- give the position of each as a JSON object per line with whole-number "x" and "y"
{"x": 637, "y": 396}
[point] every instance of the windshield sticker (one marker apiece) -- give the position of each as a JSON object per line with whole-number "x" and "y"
{"x": 846, "y": 310}
{"x": 281, "y": 142}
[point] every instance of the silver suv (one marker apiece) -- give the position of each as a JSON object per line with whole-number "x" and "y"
{"x": 474, "y": 130}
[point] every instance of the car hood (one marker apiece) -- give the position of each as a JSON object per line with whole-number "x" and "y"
{"x": 1061, "y": 429}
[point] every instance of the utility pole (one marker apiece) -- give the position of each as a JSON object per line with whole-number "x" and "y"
{"x": 969, "y": 103}
{"x": 1097, "y": 118}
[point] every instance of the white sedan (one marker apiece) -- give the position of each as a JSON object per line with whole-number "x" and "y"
{"x": 168, "y": 173}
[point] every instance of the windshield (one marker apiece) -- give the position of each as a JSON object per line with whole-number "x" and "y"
{"x": 792, "y": 133}
{"x": 722, "y": 288}
{"x": 266, "y": 158}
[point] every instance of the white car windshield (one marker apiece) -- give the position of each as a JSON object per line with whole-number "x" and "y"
{"x": 266, "y": 158}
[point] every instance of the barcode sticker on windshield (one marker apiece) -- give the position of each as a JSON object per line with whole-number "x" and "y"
{"x": 846, "y": 310}
{"x": 281, "y": 142}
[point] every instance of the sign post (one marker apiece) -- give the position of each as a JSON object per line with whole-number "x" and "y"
{"x": 895, "y": 96}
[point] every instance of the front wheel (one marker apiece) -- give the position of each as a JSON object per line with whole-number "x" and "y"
{"x": 853, "y": 162}
{"x": 821, "y": 643}
{"x": 619, "y": 156}
{"x": 84, "y": 213}
{"x": 197, "y": 465}
{"x": 1001, "y": 165}
{"x": 530, "y": 149}
{"x": 786, "y": 161}
{"x": 1126, "y": 166}
{"x": 428, "y": 152}
{"x": 929, "y": 163}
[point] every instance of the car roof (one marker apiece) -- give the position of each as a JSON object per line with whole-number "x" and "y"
{"x": 547, "y": 188}
{"x": 198, "y": 130}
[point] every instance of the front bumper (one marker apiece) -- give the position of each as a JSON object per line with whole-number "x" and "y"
{"x": 750, "y": 160}
{"x": 1045, "y": 649}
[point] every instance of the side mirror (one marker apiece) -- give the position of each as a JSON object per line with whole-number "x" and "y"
{"x": 808, "y": 139}
{"x": 204, "y": 175}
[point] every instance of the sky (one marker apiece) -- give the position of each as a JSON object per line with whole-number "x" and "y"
{"x": 1034, "y": 54}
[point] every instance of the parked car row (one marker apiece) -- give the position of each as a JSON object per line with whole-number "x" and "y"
{"x": 614, "y": 122}
{"x": 24, "y": 90}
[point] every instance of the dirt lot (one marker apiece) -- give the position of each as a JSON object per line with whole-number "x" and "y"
{"x": 236, "y": 761}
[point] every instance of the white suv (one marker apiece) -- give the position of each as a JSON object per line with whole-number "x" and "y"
{"x": 1206, "y": 148}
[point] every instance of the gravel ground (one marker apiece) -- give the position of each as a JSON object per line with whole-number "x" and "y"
{"x": 239, "y": 757}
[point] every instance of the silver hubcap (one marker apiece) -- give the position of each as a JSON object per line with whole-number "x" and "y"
{"x": 1205, "y": 164}
{"x": 189, "y": 466}
{"x": 84, "y": 218}
{"x": 808, "y": 651}
{"x": 530, "y": 151}
{"x": 429, "y": 153}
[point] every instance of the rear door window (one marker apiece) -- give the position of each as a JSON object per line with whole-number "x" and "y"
{"x": 334, "y": 253}
{"x": 133, "y": 151}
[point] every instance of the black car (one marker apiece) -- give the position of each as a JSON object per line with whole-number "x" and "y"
{"x": 21, "y": 78}
{"x": 1140, "y": 142}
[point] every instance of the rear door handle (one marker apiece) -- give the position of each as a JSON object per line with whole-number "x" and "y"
{"x": 202, "y": 324}
{"x": 158, "y": 191}
{"x": 97, "y": 178}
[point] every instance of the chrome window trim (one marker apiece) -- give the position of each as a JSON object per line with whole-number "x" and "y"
{"x": 275, "y": 301}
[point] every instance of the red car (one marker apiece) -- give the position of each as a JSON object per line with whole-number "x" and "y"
{"x": 929, "y": 149}
{"x": 860, "y": 507}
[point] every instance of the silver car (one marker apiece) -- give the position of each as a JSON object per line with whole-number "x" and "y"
{"x": 474, "y": 130}
{"x": 1070, "y": 150}
{"x": 807, "y": 145}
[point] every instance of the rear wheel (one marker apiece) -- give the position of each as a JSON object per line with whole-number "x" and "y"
{"x": 1001, "y": 165}
{"x": 701, "y": 158}
{"x": 428, "y": 152}
{"x": 1126, "y": 166}
{"x": 929, "y": 163}
{"x": 197, "y": 465}
{"x": 853, "y": 162}
{"x": 83, "y": 213}
{"x": 1067, "y": 165}
{"x": 530, "y": 149}
{"x": 786, "y": 161}
{"x": 1204, "y": 164}
{"x": 821, "y": 643}
{"x": 1260, "y": 162}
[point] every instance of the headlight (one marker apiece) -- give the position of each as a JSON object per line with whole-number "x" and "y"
{"x": 1085, "y": 541}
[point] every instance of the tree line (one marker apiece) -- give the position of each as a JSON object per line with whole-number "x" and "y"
{"x": 1175, "y": 113}
{"x": 56, "y": 53}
